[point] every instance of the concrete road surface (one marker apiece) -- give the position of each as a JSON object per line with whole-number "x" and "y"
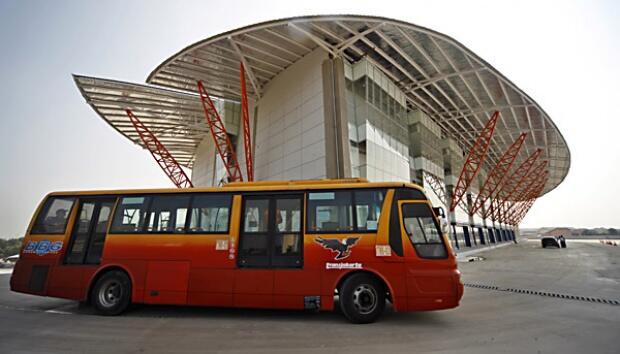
{"x": 488, "y": 321}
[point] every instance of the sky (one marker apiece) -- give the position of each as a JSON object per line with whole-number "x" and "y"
{"x": 564, "y": 54}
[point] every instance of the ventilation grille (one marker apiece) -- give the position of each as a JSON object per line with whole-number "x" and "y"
{"x": 38, "y": 277}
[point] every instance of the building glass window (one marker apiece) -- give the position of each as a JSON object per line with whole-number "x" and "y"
{"x": 377, "y": 121}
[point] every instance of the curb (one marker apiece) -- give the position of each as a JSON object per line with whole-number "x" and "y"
{"x": 462, "y": 255}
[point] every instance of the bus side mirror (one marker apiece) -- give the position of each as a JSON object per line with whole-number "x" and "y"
{"x": 439, "y": 212}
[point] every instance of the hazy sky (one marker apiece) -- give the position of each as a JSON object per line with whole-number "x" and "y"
{"x": 564, "y": 55}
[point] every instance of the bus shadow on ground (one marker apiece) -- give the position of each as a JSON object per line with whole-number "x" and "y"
{"x": 263, "y": 315}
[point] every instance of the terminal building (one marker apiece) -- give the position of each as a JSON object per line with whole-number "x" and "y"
{"x": 351, "y": 97}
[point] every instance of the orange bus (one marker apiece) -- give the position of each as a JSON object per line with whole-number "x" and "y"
{"x": 288, "y": 245}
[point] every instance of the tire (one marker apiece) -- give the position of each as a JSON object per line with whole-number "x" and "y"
{"x": 111, "y": 294}
{"x": 362, "y": 298}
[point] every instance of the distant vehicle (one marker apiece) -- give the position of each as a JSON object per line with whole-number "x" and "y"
{"x": 291, "y": 245}
{"x": 550, "y": 241}
{"x": 12, "y": 259}
{"x": 562, "y": 241}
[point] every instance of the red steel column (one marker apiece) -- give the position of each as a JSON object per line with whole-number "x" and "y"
{"x": 438, "y": 188}
{"x": 474, "y": 161}
{"x": 528, "y": 198}
{"x": 531, "y": 175}
{"x": 513, "y": 182}
{"x": 498, "y": 173}
{"x": 535, "y": 177}
{"x": 162, "y": 156}
{"x": 247, "y": 143}
{"x": 220, "y": 136}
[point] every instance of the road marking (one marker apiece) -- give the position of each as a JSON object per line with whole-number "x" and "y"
{"x": 56, "y": 311}
{"x": 59, "y": 312}
{"x": 546, "y": 293}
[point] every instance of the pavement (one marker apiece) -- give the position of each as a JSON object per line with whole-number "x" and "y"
{"x": 493, "y": 317}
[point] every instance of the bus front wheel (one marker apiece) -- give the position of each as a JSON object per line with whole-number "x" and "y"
{"x": 111, "y": 294}
{"x": 362, "y": 298}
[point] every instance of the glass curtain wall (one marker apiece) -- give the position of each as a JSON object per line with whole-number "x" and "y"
{"x": 378, "y": 133}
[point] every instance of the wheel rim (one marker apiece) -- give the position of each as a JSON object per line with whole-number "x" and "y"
{"x": 365, "y": 299}
{"x": 110, "y": 293}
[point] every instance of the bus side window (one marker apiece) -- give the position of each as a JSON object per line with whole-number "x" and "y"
{"x": 330, "y": 211}
{"x": 368, "y": 205}
{"x": 209, "y": 213}
{"x": 52, "y": 218}
{"x": 256, "y": 218}
{"x": 130, "y": 214}
{"x": 168, "y": 213}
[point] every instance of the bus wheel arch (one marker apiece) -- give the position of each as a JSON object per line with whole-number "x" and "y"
{"x": 362, "y": 296}
{"x": 118, "y": 283}
{"x": 386, "y": 285}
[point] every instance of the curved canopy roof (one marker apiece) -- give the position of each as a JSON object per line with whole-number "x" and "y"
{"x": 438, "y": 75}
{"x": 176, "y": 118}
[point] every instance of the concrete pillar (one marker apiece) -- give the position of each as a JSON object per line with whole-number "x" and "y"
{"x": 418, "y": 177}
{"x": 451, "y": 214}
{"x": 337, "y": 157}
{"x": 485, "y": 227}
{"x": 467, "y": 236}
{"x": 481, "y": 236}
{"x": 470, "y": 218}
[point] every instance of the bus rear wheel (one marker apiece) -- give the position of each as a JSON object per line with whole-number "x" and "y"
{"x": 111, "y": 294}
{"x": 362, "y": 298}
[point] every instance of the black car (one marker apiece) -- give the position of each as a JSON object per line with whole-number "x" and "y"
{"x": 552, "y": 241}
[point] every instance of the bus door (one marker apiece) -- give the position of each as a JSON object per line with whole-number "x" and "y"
{"x": 270, "y": 254}
{"x": 428, "y": 267}
{"x": 85, "y": 247}
{"x": 89, "y": 231}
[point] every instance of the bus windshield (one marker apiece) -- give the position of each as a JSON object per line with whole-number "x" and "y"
{"x": 423, "y": 230}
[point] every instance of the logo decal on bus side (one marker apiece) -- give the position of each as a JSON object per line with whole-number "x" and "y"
{"x": 44, "y": 247}
{"x": 342, "y": 247}
{"x": 343, "y": 266}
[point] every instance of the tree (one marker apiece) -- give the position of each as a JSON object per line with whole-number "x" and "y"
{"x": 10, "y": 247}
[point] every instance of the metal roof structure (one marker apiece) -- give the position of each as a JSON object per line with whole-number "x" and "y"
{"x": 440, "y": 76}
{"x": 175, "y": 117}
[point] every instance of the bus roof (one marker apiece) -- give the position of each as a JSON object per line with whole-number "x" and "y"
{"x": 258, "y": 186}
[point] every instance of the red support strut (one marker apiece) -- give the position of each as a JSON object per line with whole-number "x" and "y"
{"x": 497, "y": 174}
{"x": 437, "y": 186}
{"x": 220, "y": 136}
{"x": 474, "y": 161}
{"x": 533, "y": 180}
{"x": 511, "y": 183}
{"x": 529, "y": 172}
{"x": 533, "y": 192}
{"x": 247, "y": 143}
{"x": 164, "y": 159}
{"x": 527, "y": 205}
